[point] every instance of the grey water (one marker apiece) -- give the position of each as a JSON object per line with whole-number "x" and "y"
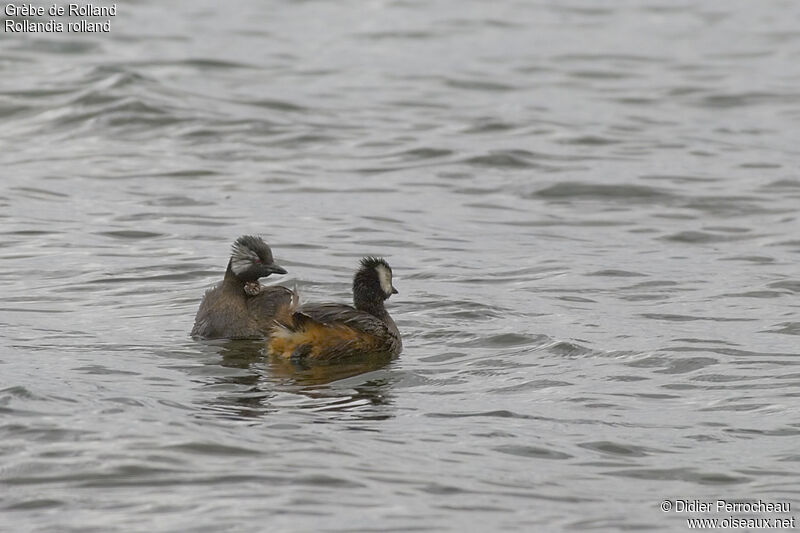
{"x": 591, "y": 210}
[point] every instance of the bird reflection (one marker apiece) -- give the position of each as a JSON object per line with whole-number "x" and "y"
{"x": 309, "y": 374}
{"x": 241, "y": 353}
{"x": 253, "y": 389}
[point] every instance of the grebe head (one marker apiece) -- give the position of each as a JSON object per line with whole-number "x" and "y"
{"x": 251, "y": 259}
{"x": 373, "y": 281}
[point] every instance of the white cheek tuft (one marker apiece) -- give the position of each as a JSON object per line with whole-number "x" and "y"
{"x": 385, "y": 278}
{"x": 242, "y": 259}
{"x": 239, "y": 265}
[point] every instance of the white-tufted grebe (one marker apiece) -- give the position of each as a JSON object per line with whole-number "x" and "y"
{"x": 239, "y": 307}
{"x": 328, "y": 332}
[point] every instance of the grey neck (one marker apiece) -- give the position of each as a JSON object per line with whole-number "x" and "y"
{"x": 231, "y": 281}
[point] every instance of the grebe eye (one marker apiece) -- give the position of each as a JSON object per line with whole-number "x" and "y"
{"x": 257, "y": 261}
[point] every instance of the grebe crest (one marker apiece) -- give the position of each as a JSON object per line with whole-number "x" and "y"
{"x": 251, "y": 259}
{"x": 372, "y": 283}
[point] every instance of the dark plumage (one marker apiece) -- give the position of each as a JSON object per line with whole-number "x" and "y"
{"x": 334, "y": 331}
{"x": 239, "y": 307}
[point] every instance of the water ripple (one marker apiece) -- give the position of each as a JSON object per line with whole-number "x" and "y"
{"x": 595, "y": 249}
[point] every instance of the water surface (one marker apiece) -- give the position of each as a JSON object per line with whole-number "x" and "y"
{"x": 591, "y": 213}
